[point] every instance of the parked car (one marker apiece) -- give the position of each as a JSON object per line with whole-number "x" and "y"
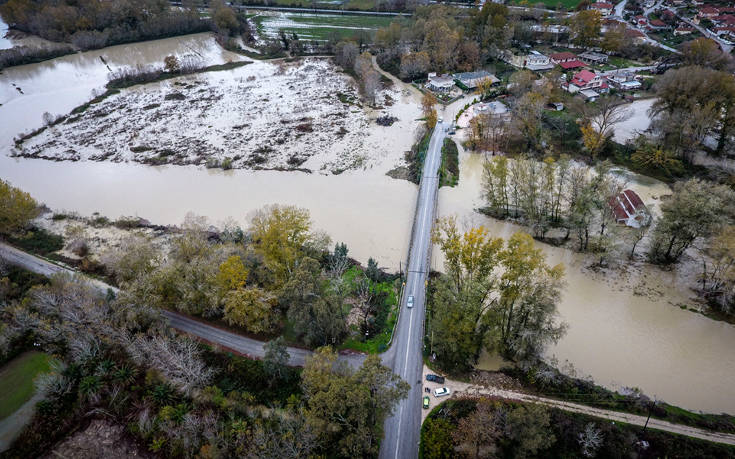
{"x": 409, "y": 301}
{"x": 435, "y": 378}
{"x": 441, "y": 120}
{"x": 441, "y": 392}
{"x": 426, "y": 402}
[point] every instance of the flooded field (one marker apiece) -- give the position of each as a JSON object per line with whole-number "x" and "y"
{"x": 303, "y": 115}
{"x": 5, "y": 43}
{"x": 625, "y": 329}
{"x": 318, "y": 27}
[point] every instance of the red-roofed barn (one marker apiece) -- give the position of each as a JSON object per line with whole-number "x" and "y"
{"x": 629, "y": 209}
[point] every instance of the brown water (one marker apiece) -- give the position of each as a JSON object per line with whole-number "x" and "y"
{"x": 615, "y": 336}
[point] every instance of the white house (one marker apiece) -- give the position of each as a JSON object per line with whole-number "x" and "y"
{"x": 440, "y": 83}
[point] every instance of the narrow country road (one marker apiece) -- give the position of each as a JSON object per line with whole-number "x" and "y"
{"x": 402, "y": 429}
{"x": 206, "y": 332}
{"x": 461, "y": 389}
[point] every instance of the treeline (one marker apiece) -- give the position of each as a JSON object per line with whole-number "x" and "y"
{"x": 89, "y": 24}
{"x": 445, "y": 39}
{"x": 21, "y": 55}
{"x": 278, "y": 275}
{"x": 491, "y": 427}
{"x": 553, "y": 194}
{"x": 575, "y": 199}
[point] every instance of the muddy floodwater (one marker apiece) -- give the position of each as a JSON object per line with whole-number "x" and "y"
{"x": 624, "y": 330}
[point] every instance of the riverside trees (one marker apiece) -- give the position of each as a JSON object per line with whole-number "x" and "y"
{"x": 552, "y": 194}
{"x": 497, "y": 295}
{"x": 17, "y": 208}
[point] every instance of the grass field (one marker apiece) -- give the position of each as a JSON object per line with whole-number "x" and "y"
{"x": 550, "y": 4}
{"x": 318, "y": 27}
{"x": 16, "y": 380}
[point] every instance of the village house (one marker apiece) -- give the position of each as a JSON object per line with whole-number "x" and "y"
{"x": 636, "y": 36}
{"x": 657, "y": 24}
{"x": 567, "y": 61}
{"x": 532, "y": 61}
{"x": 586, "y": 80}
{"x": 683, "y": 29}
{"x": 592, "y": 57}
{"x": 440, "y": 83}
{"x": 706, "y": 12}
{"x": 628, "y": 209}
{"x": 605, "y": 9}
{"x": 624, "y": 81}
{"x": 471, "y": 80}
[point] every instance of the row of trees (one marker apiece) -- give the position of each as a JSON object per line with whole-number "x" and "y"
{"x": 90, "y": 24}
{"x": 497, "y": 295}
{"x": 347, "y": 56}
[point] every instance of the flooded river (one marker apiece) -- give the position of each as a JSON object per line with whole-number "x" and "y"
{"x": 616, "y": 336}
{"x": 4, "y": 42}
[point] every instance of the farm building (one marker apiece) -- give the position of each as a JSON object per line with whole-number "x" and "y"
{"x": 628, "y": 209}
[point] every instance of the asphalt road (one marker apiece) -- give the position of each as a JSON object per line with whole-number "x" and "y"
{"x": 401, "y": 438}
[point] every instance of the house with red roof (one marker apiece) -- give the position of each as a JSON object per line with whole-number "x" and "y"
{"x": 604, "y": 8}
{"x": 629, "y": 210}
{"x": 707, "y": 12}
{"x": 683, "y": 29}
{"x": 585, "y": 80}
{"x": 567, "y": 61}
{"x": 640, "y": 21}
{"x": 657, "y": 24}
{"x": 636, "y": 35}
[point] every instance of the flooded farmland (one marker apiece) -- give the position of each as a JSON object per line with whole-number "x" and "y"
{"x": 622, "y": 331}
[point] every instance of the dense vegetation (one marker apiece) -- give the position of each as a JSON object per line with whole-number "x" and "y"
{"x": 119, "y": 358}
{"x": 487, "y": 427}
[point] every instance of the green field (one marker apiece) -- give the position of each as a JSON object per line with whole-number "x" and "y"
{"x": 16, "y": 380}
{"x": 319, "y": 27}
{"x": 550, "y": 4}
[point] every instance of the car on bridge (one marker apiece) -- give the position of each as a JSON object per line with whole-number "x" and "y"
{"x": 435, "y": 378}
{"x": 426, "y": 402}
{"x": 409, "y": 301}
{"x": 441, "y": 392}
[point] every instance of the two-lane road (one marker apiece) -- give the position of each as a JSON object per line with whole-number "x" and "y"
{"x": 401, "y": 438}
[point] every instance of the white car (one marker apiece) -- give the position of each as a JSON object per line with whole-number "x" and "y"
{"x": 409, "y": 301}
{"x": 441, "y": 120}
{"x": 441, "y": 391}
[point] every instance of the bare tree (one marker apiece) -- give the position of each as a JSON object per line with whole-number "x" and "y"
{"x": 601, "y": 117}
{"x": 371, "y": 85}
{"x": 590, "y": 440}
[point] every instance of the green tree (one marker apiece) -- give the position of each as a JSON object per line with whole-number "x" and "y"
{"x": 436, "y": 439}
{"x": 282, "y": 236}
{"x": 276, "y": 357}
{"x": 525, "y": 315}
{"x": 17, "y": 208}
{"x": 232, "y": 274}
{"x": 585, "y": 27}
{"x": 695, "y": 210}
{"x": 251, "y": 308}
{"x": 347, "y": 407}
{"x": 529, "y": 426}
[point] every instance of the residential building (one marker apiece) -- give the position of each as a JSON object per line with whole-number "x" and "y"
{"x": 494, "y": 108}
{"x": 592, "y": 57}
{"x": 657, "y": 24}
{"x": 683, "y": 29}
{"x": 567, "y": 61}
{"x": 605, "y": 9}
{"x": 440, "y": 83}
{"x": 624, "y": 81}
{"x": 707, "y": 12}
{"x": 471, "y": 80}
{"x": 628, "y": 209}
{"x": 636, "y": 36}
{"x": 532, "y": 61}
{"x": 585, "y": 80}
